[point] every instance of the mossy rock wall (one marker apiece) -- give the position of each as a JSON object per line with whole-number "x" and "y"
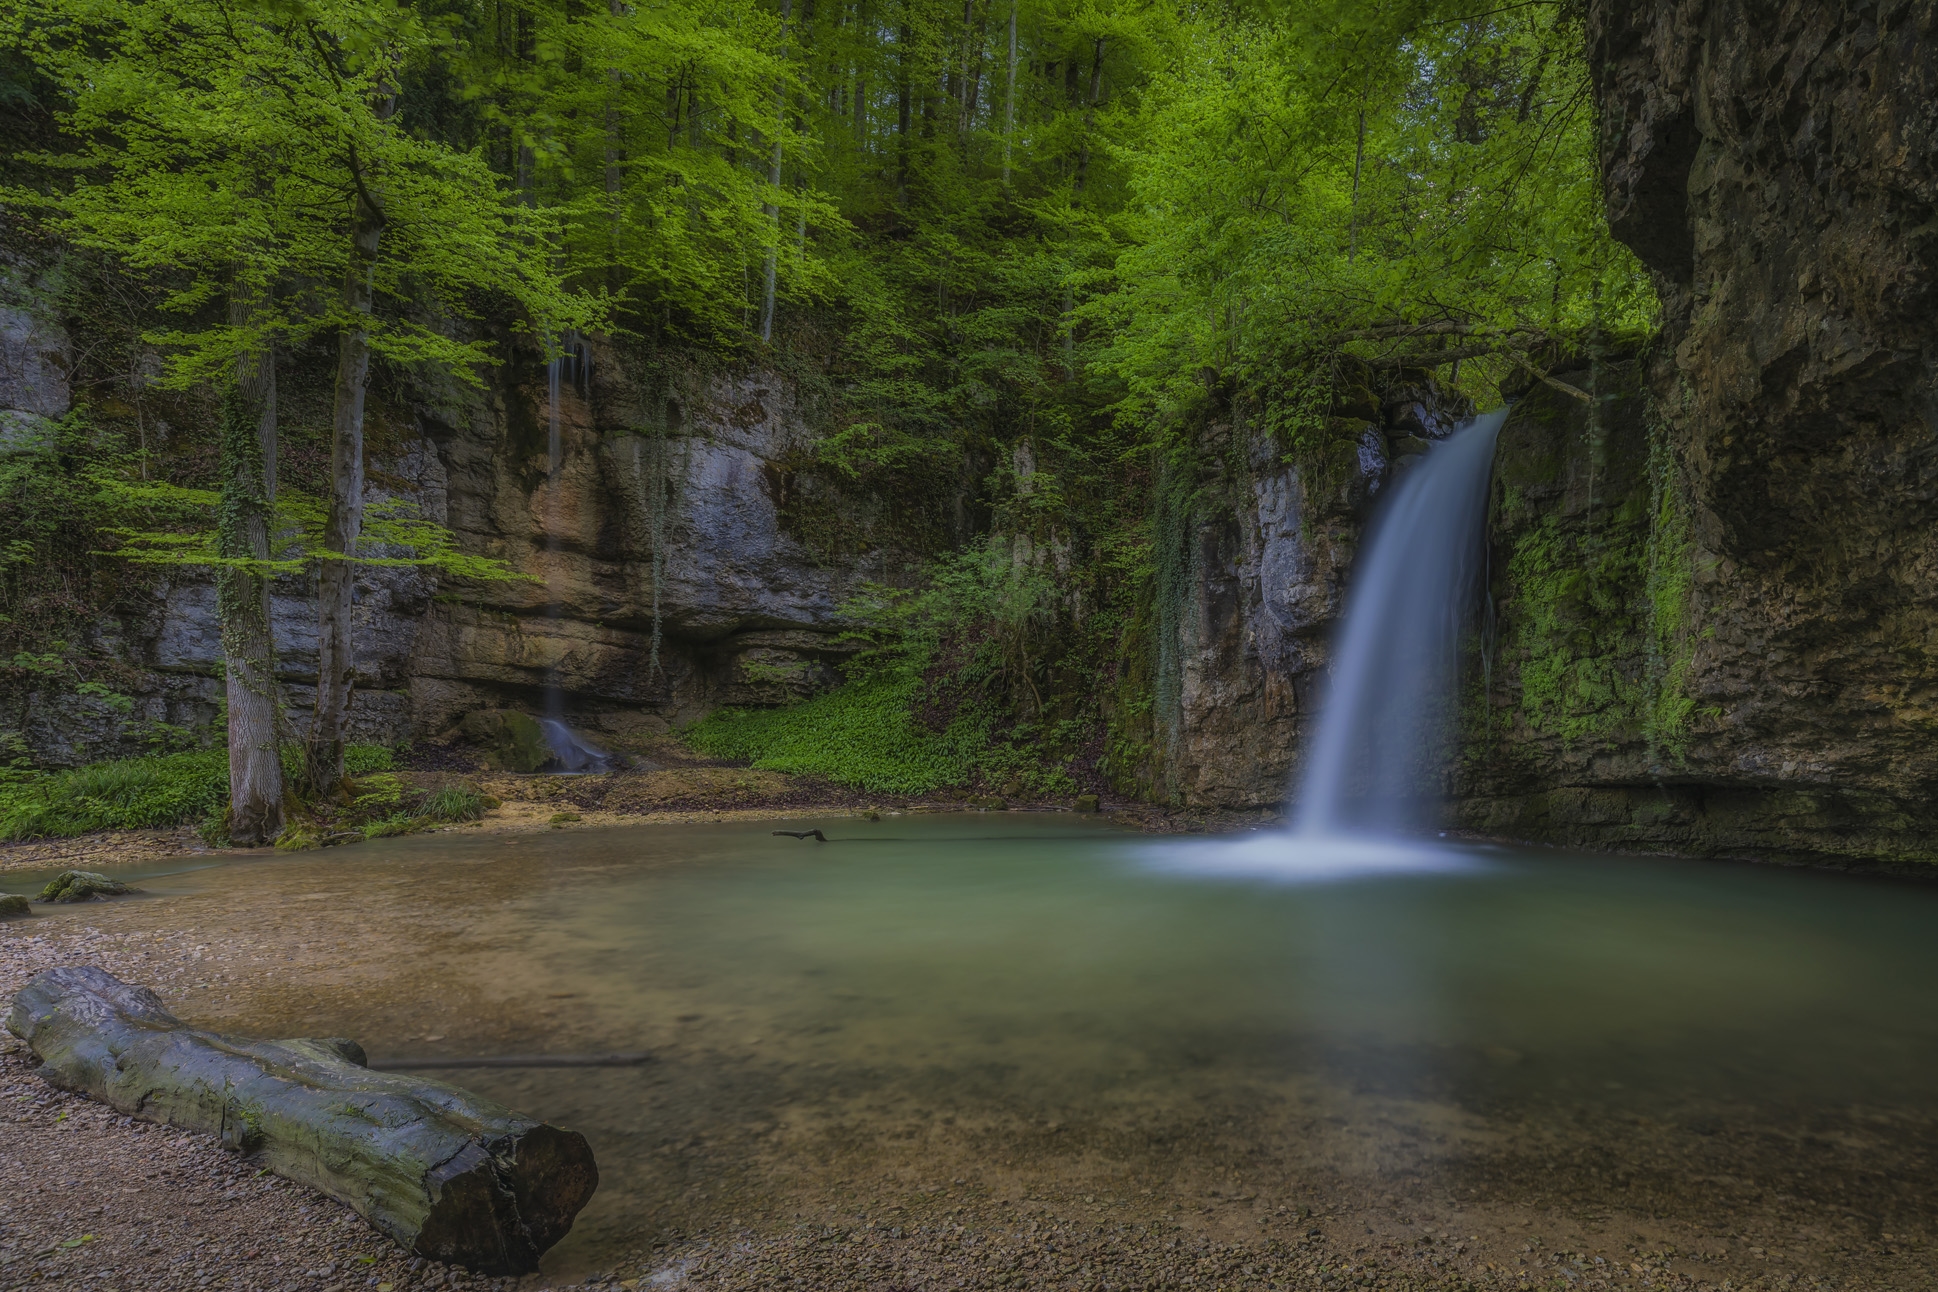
{"x": 1606, "y": 694}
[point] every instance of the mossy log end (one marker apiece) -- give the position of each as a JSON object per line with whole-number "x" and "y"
{"x": 450, "y": 1176}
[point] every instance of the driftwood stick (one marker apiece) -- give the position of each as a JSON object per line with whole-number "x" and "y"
{"x": 629, "y": 1060}
{"x": 448, "y": 1175}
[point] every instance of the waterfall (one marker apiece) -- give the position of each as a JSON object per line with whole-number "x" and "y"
{"x": 654, "y": 495}
{"x": 1373, "y": 765}
{"x": 554, "y": 455}
{"x": 571, "y": 751}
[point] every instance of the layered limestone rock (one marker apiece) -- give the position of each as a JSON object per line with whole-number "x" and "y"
{"x": 664, "y": 579}
{"x": 1776, "y": 167}
{"x": 661, "y": 518}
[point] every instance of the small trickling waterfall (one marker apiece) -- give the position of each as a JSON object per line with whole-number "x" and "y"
{"x": 1373, "y": 764}
{"x": 570, "y": 752}
{"x": 554, "y": 458}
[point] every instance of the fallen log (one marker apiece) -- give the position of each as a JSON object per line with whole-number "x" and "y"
{"x": 450, "y": 1176}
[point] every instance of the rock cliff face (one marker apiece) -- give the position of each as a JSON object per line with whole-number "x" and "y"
{"x": 1776, "y": 167}
{"x": 662, "y": 516}
{"x": 665, "y": 580}
{"x": 1245, "y": 620}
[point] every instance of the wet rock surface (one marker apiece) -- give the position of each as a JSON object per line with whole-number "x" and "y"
{"x": 1259, "y": 581}
{"x": 82, "y": 886}
{"x": 504, "y": 740}
{"x": 1776, "y": 167}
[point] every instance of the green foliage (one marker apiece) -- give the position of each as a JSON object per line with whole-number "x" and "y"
{"x": 223, "y": 150}
{"x": 453, "y": 803}
{"x": 362, "y": 760}
{"x": 1574, "y": 594}
{"x": 16, "y": 760}
{"x": 51, "y": 585}
{"x": 127, "y": 794}
{"x": 649, "y": 129}
{"x": 863, "y": 734}
{"x": 138, "y": 793}
{"x": 376, "y": 792}
{"x": 949, "y": 693}
{"x": 183, "y": 530}
{"x": 1386, "y": 179}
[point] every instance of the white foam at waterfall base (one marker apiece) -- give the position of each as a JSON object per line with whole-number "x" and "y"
{"x": 571, "y": 751}
{"x": 1288, "y": 857}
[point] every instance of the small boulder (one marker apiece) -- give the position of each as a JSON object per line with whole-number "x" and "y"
{"x": 509, "y": 741}
{"x": 82, "y": 886}
{"x": 1087, "y": 803}
{"x": 12, "y": 904}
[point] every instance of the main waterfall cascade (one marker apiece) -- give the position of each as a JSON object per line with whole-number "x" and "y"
{"x": 1373, "y": 764}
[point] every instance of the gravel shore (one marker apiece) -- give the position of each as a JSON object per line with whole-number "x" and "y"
{"x": 91, "y": 1199}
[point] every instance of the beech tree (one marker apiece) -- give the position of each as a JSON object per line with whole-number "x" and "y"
{"x": 256, "y": 151}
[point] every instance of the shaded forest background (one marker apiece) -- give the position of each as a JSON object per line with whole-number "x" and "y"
{"x": 1032, "y": 246}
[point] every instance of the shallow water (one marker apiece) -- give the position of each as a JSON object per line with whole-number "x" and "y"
{"x": 1045, "y": 1007}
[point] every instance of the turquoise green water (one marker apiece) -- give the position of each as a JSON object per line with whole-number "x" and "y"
{"x": 1046, "y": 1007}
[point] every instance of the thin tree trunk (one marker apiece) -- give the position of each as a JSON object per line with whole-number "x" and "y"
{"x": 614, "y": 156}
{"x": 1076, "y": 197}
{"x": 242, "y": 593}
{"x": 335, "y": 654}
{"x": 1089, "y": 115}
{"x": 861, "y": 85}
{"x": 774, "y": 182}
{"x": 902, "y": 90}
{"x": 1009, "y": 95}
{"x": 1359, "y": 160}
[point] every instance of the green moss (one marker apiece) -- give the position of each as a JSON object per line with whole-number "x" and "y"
{"x": 1671, "y": 577}
{"x": 1573, "y": 628}
{"x": 871, "y": 734}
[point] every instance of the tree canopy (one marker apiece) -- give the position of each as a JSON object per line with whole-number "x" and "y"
{"x": 1001, "y": 208}
{"x": 1025, "y": 242}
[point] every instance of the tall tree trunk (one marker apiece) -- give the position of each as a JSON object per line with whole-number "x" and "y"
{"x": 335, "y": 654}
{"x": 1009, "y": 94}
{"x": 1359, "y": 160}
{"x": 774, "y": 182}
{"x": 1089, "y": 117}
{"x": 615, "y": 155}
{"x": 902, "y": 89}
{"x": 242, "y": 593}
